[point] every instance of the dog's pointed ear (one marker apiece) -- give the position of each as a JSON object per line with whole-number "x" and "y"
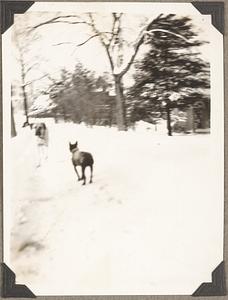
{"x": 76, "y": 144}
{"x": 69, "y": 143}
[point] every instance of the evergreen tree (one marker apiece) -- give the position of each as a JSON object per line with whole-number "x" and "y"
{"x": 81, "y": 97}
{"x": 171, "y": 74}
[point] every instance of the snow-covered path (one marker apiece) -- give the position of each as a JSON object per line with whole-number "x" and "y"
{"x": 124, "y": 234}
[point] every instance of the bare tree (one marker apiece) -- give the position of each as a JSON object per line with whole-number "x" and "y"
{"x": 113, "y": 43}
{"x": 23, "y": 40}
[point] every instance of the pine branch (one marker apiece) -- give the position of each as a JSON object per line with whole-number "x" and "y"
{"x": 140, "y": 41}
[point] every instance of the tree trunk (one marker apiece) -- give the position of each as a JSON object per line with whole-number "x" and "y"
{"x": 64, "y": 113}
{"x": 120, "y": 104}
{"x": 25, "y": 103}
{"x": 169, "y": 128}
{"x": 13, "y": 127}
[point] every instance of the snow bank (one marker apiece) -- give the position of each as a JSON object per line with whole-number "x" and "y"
{"x": 152, "y": 199}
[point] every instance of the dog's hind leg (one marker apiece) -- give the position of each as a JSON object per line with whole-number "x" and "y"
{"x": 91, "y": 174}
{"x": 83, "y": 174}
{"x": 76, "y": 171}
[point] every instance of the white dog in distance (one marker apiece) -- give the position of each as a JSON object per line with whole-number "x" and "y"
{"x": 41, "y": 134}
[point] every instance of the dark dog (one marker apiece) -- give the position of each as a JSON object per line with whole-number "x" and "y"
{"x": 83, "y": 159}
{"x": 41, "y": 133}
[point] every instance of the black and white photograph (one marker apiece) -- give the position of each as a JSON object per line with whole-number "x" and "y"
{"x": 113, "y": 169}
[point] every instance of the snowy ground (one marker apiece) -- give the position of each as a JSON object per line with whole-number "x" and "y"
{"x": 143, "y": 227}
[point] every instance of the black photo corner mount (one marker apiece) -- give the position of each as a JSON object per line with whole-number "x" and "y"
{"x": 215, "y": 288}
{"x": 9, "y": 8}
{"x": 218, "y": 285}
{"x": 10, "y": 289}
{"x": 215, "y": 9}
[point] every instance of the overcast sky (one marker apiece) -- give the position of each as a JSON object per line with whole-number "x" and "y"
{"x": 92, "y": 55}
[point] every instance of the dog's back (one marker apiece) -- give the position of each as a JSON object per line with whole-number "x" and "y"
{"x": 80, "y": 158}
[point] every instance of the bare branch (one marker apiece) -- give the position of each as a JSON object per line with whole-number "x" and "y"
{"x": 124, "y": 71}
{"x": 95, "y": 30}
{"x": 34, "y": 80}
{"x": 30, "y": 67}
{"x": 91, "y": 37}
{"x": 118, "y": 24}
{"x": 116, "y": 28}
{"x": 59, "y": 19}
{"x": 114, "y": 33}
{"x": 62, "y": 43}
{"x": 106, "y": 46}
{"x": 113, "y": 29}
{"x": 110, "y": 58}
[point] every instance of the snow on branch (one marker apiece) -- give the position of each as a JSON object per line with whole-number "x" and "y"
{"x": 140, "y": 41}
{"x": 150, "y": 32}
